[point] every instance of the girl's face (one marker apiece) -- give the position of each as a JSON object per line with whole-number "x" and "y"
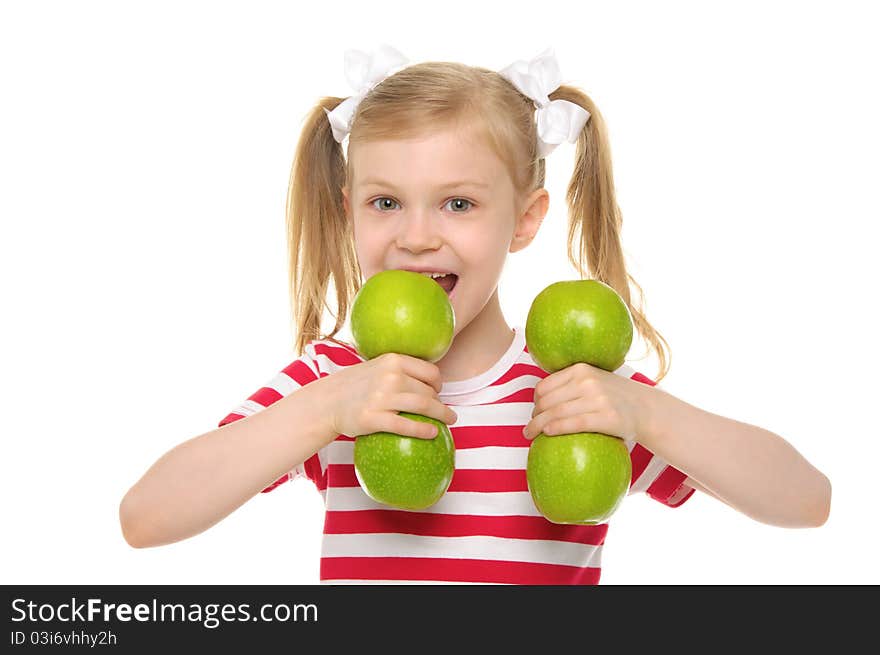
{"x": 442, "y": 203}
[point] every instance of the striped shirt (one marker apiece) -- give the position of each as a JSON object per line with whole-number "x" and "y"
{"x": 486, "y": 528}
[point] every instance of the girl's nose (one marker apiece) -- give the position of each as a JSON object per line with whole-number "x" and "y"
{"x": 418, "y": 231}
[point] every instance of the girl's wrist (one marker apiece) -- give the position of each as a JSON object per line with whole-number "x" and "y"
{"x": 652, "y": 403}
{"x": 324, "y": 400}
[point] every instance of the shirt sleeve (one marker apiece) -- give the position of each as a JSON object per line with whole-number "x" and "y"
{"x": 650, "y": 473}
{"x": 296, "y": 375}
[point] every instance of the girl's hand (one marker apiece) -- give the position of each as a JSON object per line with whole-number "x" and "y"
{"x": 367, "y": 397}
{"x": 584, "y": 398}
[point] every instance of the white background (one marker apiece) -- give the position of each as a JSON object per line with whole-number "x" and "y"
{"x": 145, "y": 150}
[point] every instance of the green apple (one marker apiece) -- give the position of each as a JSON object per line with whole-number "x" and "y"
{"x": 578, "y": 478}
{"x": 408, "y": 313}
{"x": 402, "y": 312}
{"x": 578, "y": 321}
{"x": 405, "y": 472}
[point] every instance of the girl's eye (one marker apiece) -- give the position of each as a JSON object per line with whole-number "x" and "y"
{"x": 384, "y": 201}
{"x": 387, "y": 204}
{"x": 460, "y": 200}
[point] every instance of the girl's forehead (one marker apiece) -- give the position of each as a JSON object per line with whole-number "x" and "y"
{"x": 446, "y": 155}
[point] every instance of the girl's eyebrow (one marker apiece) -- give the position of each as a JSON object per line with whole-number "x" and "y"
{"x": 447, "y": 185}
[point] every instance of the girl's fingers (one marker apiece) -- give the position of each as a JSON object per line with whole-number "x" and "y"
{"x": 419, "y": 387}
{"x": 409, "y": 428}
{"x": 554, "y": 381}
{"x": 559, "y": 418}
{"x": 422, "y": 370}
{"x": 416, "y": 403}
{"x": 555, "y": 397}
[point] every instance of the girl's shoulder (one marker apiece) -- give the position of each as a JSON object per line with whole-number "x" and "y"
{"x": 334, "y": 349}
{"x": 340, "y": 342}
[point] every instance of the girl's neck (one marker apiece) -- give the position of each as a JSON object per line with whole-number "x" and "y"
{"x": 478, "y": 346}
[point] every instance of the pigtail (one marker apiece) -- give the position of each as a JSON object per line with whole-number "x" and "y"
{"x": 319, "y": 236}
{"x": 595, "y": 220}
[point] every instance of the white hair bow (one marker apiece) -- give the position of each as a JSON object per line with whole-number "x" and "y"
{"x": 363, "y": 71}
{"x": 557, "y": 120}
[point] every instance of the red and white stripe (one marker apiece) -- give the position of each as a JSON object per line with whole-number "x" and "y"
{"x": 486, "y": 528}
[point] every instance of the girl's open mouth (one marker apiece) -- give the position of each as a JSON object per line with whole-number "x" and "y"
{"x": 448, "y": 282}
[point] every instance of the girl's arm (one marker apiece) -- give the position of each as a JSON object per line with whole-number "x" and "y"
{"x": 201, "y": 481}
{"x": 751, "y": 469}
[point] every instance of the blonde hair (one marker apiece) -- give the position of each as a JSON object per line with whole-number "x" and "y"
{"x": 429, "y": 97}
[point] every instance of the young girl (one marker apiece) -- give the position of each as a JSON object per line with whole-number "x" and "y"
{"x": 444, "y": 174}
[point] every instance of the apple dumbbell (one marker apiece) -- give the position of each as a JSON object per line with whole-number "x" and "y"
{"x": 578, "y": 478}
{"x": 410, "y": 314}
